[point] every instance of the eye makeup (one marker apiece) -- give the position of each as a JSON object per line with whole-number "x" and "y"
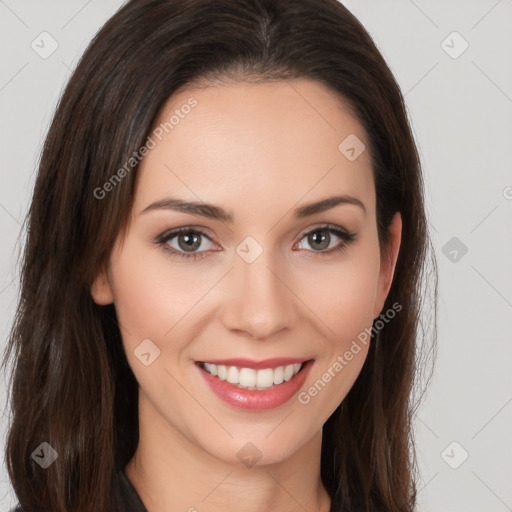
{"x": 196, "y": 234}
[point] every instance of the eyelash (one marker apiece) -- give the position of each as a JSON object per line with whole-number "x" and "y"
{"x": 162, "y": 240}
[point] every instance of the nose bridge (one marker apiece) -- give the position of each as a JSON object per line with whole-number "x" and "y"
{"x": 261, "y": 303}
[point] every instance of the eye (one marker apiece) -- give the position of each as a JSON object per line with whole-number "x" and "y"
{"x": 190, "y": 243}
{"x": 321, "y": 238}
{"x": 185, "y": 243}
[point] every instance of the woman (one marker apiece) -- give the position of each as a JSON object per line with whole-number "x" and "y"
{"x": 221, "y": 286}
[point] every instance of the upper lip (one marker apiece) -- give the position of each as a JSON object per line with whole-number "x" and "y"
{"x": 257, "y": 365}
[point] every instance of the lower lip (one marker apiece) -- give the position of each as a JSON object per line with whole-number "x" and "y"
{"x": 254, "y": 400}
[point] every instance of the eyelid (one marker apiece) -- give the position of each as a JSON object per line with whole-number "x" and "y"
{"x": 327, "y": 226}
{"x": 174, "y": 231}
{"x": 338, "y": 231}
{"x": 166, "y": 235}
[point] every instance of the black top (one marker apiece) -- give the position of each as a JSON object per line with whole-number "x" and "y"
{"x": 128, "y": 496}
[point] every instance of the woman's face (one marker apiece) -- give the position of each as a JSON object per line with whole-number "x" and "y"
{"x": 261, "y": 283}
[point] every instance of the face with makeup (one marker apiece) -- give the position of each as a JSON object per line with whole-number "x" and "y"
{"x": 252, "y": 247}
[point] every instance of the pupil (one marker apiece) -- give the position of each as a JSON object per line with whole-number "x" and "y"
{"x": 191, "y": 241}
{"x": 319, "y": 239}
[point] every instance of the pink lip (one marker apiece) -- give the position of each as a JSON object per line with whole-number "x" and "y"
{"x": 257, "y": 365}
{"x": 252, "y": 399}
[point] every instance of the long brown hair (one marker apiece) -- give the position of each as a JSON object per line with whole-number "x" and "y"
{"x": 71, "y": 384}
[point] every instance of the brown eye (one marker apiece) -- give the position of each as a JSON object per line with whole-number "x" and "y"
{"x": 189, "y": 241}
{"x": 319, "y": 239}
{"x": 322, "y": 240}
{"x": 185, "y": 243}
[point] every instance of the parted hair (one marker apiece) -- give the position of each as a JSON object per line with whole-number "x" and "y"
{"x": 70, "y": 383}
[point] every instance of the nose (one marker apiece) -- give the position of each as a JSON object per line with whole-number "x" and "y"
{"x": 260, "y": 303}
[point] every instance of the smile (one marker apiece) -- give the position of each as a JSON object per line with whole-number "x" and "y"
{"x": 249, "y": 378}
{"x": 255, "y": 385}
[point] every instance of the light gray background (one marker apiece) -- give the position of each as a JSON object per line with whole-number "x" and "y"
{"x": 461, "y": 112}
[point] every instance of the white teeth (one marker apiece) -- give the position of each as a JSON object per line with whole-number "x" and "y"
{"x": 288, "y": 372}
{"x": 278, "y": 375}
{"x": 253, "y": 379}
{"x": 264, "y": 378}
{"x": 247, "y": 377}
{"x": 211, "y": 368}
{"x": 222, "y": 371}
{"x": 233, "y": 375}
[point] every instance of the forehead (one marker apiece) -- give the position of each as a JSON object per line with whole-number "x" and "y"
{"x": 257, "y": 145}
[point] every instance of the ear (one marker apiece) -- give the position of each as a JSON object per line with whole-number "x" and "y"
{"x": 388, "y": 263}
{"x": 101, "y": 289}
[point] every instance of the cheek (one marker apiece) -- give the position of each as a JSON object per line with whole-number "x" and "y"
{"x": 153, "y": 302}
{"x": 153, "y": 294}
{"x": 343, "y": 295}
{"x": 344, "y": 307}
{"x": 150, "y": 300}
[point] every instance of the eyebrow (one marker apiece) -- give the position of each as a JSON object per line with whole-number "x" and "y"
{"x": 217, "y": 213}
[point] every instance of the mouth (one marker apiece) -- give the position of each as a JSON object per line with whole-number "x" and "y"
{"x": 250, "y": 378}
{"x": 255, "y": 385}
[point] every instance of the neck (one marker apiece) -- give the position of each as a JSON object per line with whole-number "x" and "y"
{"x": 170, "y": 472}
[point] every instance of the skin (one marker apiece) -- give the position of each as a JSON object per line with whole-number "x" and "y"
{"x": 258, "y": 151}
